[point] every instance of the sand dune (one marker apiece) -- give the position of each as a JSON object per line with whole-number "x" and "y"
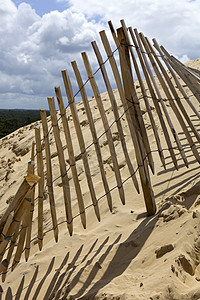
{"x": 127, "y": 255}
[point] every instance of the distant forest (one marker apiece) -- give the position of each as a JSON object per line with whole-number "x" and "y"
{"x": 12, "y": 119}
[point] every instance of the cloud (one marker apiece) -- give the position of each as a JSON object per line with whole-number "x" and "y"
{"x": 175, "y": 23}
{"x": 34, "y": 49}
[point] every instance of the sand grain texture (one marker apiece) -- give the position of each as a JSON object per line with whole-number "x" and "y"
{"x": 127, "y": 255}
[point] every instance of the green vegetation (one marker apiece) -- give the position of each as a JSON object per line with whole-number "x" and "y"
{"x": 12, "y": 119}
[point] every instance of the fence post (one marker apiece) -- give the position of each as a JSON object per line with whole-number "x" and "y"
{"x": 126, "y": 78}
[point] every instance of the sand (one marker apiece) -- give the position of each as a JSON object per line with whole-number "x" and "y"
{"x": 127, "y": 255}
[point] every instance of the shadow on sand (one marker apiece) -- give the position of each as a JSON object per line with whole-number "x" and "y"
{"x": 65, "y": 278}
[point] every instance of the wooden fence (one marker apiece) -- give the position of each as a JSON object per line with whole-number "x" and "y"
{"x": 136, "y": 54}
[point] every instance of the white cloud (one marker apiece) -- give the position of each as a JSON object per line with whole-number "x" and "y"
{"x": 175, "y": 23}
{"x": 34, "y": 49}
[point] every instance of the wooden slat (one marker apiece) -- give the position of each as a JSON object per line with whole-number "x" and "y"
{"x": 7, "y": 225}
{"x": 136, "y": 141}
{"x": 40, "y": 171}
{"x": 28, "y": 183}
{"x": 133, "y": 102}
{"x": 31, "y": 167}
{"x": 72, "y": 161}
{"x": 189, "y": 101}
{"x": 116, "y": 113}
{"x": 127, "y": 78}
{"x": 30, "y": 171}
{"x": 184, "y": 76}
{"x": 26, "y": 222}
{"x": 167, "y": 92}
{"x": 64, "y": 176}
{"x": 180, "y": 105}
{"x": 14, "y": 225}
{"x": 33, "y": 151}
{"x": 74, "y": 113}
{"x": 106, "y": 126}
{"x": 194, "y": 71}
{"x": 160, "y": 151}
{"x": 174, "y": 133}
{"x": 93, "y": 132}
{"x": 49, "y": 172}
{"x": 144, "y": 63}
{"x": 197, "y": 135}
{"x": 181, "y": 89}
{"x": 116, "y": 74}
{"x": 22, "y": 237}
{"x": 11, "y": 249}
{"x": 25, "y": 219}
{"x": 189, "y": 72}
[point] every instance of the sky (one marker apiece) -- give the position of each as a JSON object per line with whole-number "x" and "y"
{"x": 39, "y": 38}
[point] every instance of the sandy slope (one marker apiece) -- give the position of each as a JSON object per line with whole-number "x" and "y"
{"x": 127, "y": 255}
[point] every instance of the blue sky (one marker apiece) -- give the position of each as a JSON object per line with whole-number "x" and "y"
{"x": 44, "y": 6}
{"x": 39, "y": 38}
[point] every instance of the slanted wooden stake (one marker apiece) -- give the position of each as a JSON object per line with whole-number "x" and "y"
{"x": 28, "y": 183}
{"x": 93, "y": 132}
{"x": 174, "y": 133}
{"x": 168, "y": 94}
{"x": 116, "y": 74}
{"x": 72, "y": 105}
{"x": 128, "y": 81}
{"x": 40, "y": 171}
{"x": 31, "y": 170}
{"x": 71, "y": 156}
{"x": 26, "y": 222}
{"x": 197, "y": 135}
{"x": 180, "y": 105}
{"x": 160, "y": 151}
{"x": 132, "y": 101}
{"x": 116, "y": 113}
{"x": 49, "y": 173}
{"x": 183, "y": 74}
{"x": 11, "y": 249}
{"x": 7, "y": 225}
{"x": 63, "y": 171}
{"x": 14, "y": 225}
{"x": 22, "y": 236}
{"x": 164, "y": 54}
{"x": 188, "y": 72}
{"x": 106, "y": 126}
{"x": 144, "y": 63}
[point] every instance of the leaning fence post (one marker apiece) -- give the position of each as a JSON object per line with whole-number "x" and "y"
{"x": 72, "y": 159}
{"x": 40, "y": 170}
{"x": 31, "y": 170}
{"x": 93, "y": 132}
{"x": 126, "y": 76}
{"x": 81, "y": 141}
{"x": 49, "y": 173}
{"x": 63, "y": 170}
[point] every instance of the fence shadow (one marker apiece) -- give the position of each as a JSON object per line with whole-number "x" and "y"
{"x": 32, "y": 282}
{"x": 56, "y": 284}
{"x": 68, "y": 287}
{"x": 20, "y": 289}
{"x": 180, "y": 184}
{"x": 119, "y": 262}
{"x": 62, "y": 284}
{"x": 71, "y": 266}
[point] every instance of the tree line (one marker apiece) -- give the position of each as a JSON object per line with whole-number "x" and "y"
{"x": 12, "y": 119}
